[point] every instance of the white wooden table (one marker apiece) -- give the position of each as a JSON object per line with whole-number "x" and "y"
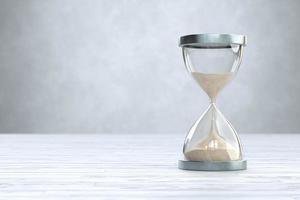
{"x": 95, "y": 166}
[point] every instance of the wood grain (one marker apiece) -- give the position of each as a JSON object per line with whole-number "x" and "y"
{"x": 95, "y": 166}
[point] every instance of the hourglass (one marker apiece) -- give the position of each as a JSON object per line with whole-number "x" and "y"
{"x": 213, "y": 61}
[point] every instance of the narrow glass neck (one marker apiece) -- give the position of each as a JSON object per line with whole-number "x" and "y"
{"x": 212, "y": 100}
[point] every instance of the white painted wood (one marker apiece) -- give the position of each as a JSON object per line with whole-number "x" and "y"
{"x": 141, "y": 167}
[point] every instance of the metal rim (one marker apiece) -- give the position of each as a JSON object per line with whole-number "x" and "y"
{"x": 211, "y": 40}
{"x": 212, "y": 166}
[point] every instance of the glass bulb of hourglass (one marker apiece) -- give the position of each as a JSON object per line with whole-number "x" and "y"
{"x": 217, "y": 144}
{"x": 213, "y": 61}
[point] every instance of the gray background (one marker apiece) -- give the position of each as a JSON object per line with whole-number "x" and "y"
{"x": 114, "y": 66}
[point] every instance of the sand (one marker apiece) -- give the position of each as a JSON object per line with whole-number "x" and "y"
{"x": 213, "y": 148}
{"x": 212, "y": 84}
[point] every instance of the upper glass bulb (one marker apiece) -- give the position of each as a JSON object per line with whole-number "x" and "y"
{"x": 213, "y": 60}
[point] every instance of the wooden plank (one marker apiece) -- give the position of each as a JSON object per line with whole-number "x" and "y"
{"x": 97, "y": 166}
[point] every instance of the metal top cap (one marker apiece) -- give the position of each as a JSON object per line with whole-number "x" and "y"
{"x": 210, "y": 40}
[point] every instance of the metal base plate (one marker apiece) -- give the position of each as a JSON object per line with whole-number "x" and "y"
{"x": 213, "y": 165}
